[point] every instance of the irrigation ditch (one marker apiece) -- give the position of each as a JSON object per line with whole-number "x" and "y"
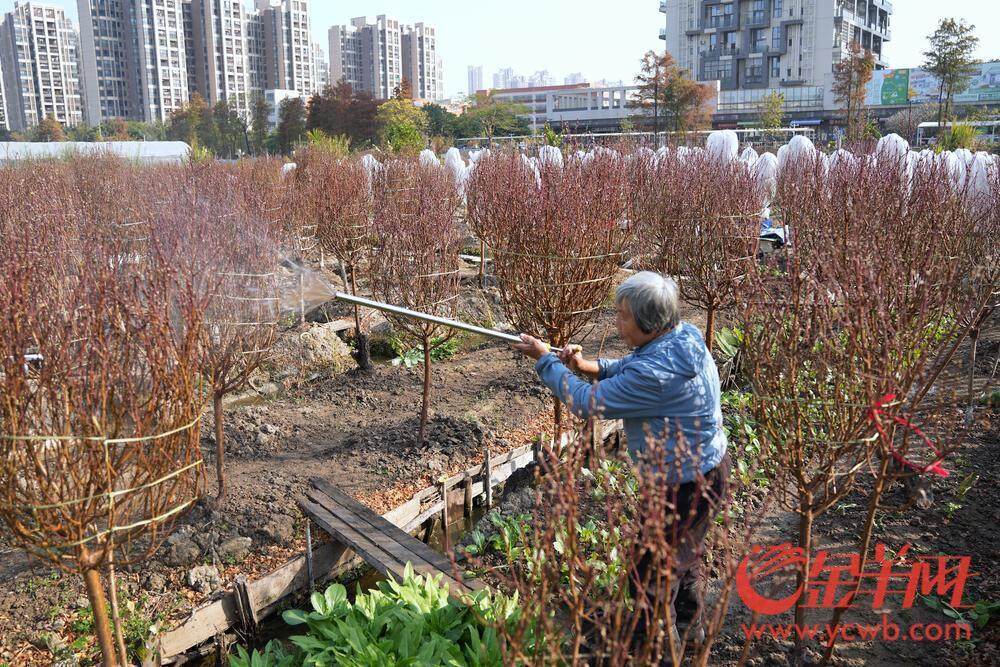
{"x": 438, "y": 514}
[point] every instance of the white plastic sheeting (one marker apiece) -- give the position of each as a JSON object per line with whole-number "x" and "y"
{"x": 550, "y": 155}
{"x": 154, "y": 152}
{"x": 429, "y": 158}
{"x": 723, "y": 145}
{"x": 766, "y": 173}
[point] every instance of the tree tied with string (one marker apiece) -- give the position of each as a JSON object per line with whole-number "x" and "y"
{"x": 557, "y": 234}
{"x": 839, "y": 334}
{"x": 414, "y": 259}
{"x": 698, "y": 218}
{"x": 339, "y": 195}
{"x": 100, "y": 432}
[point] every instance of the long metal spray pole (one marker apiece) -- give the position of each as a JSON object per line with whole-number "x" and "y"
{"x": 434, "y": 319}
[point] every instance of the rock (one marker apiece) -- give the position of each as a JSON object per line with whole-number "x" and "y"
{"x": 269, "y": 389}
{"x": 435, "y": 465}
{"x": 154, "y": 582}
{"x": 82, "y": 602}
{"x": 280, "y": 529}
{"x": 235, "y": 549}
{"x": 181, "y": 549}
{"x": 204, "y": 578}
{"x": 58, "y": 624}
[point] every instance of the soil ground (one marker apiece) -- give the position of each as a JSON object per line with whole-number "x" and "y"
{"x": 359, "y": 429}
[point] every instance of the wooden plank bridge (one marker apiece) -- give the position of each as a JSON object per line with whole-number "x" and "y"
{"x": 382, "y": 545}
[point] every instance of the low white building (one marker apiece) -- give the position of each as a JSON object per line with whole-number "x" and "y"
{"x": 572, "y": 107}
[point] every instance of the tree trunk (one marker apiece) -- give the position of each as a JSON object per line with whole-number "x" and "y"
{"x": 364, "y": 351}
{"x": 426, "y": 405}
{"x": 557, "y": 413}
{"x": 971, "y": 386}
{"x": 116, "y": 620}
{"x": 95, "y": 593}
{"x": 864, "y": 544}
{"x": 802, "y": 576}
{"x": 482, "y": 264}
{"x": 220, "y": 445}
{"x": 710, "y": 328}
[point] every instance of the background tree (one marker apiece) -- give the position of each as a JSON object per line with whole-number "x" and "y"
{"x": 260, "y": 110}
{"x": 772, "y": 110}
{"x": 488, "y": 116}
{"x": 404, "y": 91}
{"x": 906, "y": 121}
{"x": 667, "y": 91}
{"x": 850, "y": 80}
{"x": 440, "y": 121}
{"x": 950, "y": 59}
{"x": 401, "y": 126}
{"x": 291, "y": 123}
{"x": 340, "y": 110}
{"x": 50, "y": 129}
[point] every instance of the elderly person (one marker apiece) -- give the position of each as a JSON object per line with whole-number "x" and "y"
{"x": 667, "y": 389}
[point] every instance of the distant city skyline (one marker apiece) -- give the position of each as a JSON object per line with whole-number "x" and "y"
{"x": 601, "y": 40}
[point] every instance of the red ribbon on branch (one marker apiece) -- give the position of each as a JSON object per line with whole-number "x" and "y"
{"x": 876, "y": 410}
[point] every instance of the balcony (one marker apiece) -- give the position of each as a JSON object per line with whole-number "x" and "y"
{"x": 723, "y": 22}
{"x": 721, "y": 50}
{"x": 663, "y": 33}
{"x": 663, "y": 6}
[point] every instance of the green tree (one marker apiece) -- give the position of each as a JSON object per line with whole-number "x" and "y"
{"x": 488, "y": 116}
{"x": 667, "y": 91}
{"x": 49, "y": 129}
{"x": 291, "y": 123}
{"x": 772, "y": 110}
{"x": 440, "y": 121}
{"x": 260, "y": 110}
{"x": 185, "y": 122}
{"x": 84, "y": 132}
{"x": 401, "y": 125}
{"x": 850, "y": 85}
{"x": 950, "y": 59}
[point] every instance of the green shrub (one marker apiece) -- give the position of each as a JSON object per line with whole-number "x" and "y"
{"x": 412, "y": 622}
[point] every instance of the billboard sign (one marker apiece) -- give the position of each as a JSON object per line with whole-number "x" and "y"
{"x": 897, "y": 87}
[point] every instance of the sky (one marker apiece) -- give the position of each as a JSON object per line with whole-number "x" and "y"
{"x": 603, "y": 40}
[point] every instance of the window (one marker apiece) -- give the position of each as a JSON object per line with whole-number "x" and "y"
{"x": 755, "y": 69}
{"x": 775, "y": 67}
{"x": 758, "y": 40}
{"x": 713, "y": 41}
{"x": 776, "y": 38}
{"x": 777, "y": 8}
{"x": 731, "y": 41}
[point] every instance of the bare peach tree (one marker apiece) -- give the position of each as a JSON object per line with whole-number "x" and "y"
{"x": 698, "y": 218}
{"x": 839, "y": 334}
{"x": 100, "y": 450}
{"x": 339, "y": 197}
{"x": 414, "y": 259}
{"x": 557, "y": 233}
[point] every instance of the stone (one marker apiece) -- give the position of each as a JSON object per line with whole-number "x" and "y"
{"x": 154, "y": 582}
{"x": 269, "y": 389}
{"x": 204, "y": 578}
{"x": 181, "y": 550}
{"x": 280, "y": 529}
{"x": 235, "y": 549}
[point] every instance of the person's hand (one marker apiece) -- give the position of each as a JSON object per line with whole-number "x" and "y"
{"x": 531, "y": 346}
{"x": 572, "y": 356}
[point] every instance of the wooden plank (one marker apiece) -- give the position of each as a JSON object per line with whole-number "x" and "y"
{"x": 390, "y": 537}
{"x": 382, "y": 554}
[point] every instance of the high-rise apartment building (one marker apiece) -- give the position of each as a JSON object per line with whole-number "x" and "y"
{"x": 143, "y": 58}
{"x": 287, "y": 45}
{"x": 221, "y": 52}
{"x": 574, "y": 79}
{"x": 475, "y": 79}
{"x": 134, "y": 58}
{"x": 38, "y": 56}
{"x": 376, "y": 57}
{"x": 753, "y": 46}
{"x": 321, "y": 68}
{"x": 504, "y": 78}
{"x": 420, "y": 62}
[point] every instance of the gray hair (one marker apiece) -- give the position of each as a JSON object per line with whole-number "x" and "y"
{"x": 652, "y": 298}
